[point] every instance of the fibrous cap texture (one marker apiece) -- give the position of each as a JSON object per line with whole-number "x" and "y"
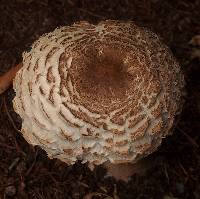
{"x": 97, "y": 93}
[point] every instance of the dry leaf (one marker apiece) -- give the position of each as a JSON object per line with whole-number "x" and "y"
{"x": 195, "y": 41}
{"x": 195, "y": 54}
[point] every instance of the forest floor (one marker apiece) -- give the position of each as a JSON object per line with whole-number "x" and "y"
{"x": 26, "y": 172}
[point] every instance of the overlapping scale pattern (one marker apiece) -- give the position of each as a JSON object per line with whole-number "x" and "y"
{"x": 97, "y": 93}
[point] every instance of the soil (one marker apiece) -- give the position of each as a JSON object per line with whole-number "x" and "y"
{"x": 26, "y": 172}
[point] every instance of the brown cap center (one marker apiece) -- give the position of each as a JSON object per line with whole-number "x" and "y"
{"x": 101, "y": 78}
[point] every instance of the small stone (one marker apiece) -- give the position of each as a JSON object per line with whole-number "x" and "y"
{"x": 180, "y": 188}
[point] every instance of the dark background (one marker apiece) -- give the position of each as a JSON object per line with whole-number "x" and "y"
{"x": 26, "y": 172}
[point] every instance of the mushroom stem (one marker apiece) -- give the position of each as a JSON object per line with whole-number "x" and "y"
{"x": 7, "y": 78}
{"x": 124, "y": 171}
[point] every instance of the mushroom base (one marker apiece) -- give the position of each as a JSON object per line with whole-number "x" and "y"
{"x": 124, "y": 171}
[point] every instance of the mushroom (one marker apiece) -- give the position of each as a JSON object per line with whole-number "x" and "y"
{"x": 105, "y": 93}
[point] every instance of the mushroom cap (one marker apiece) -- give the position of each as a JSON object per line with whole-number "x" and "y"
{"x": 97, "y": 93}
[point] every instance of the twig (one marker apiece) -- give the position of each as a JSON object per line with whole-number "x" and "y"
{"x": 33, "y": 164}
{"x": 90, "y": 195}
{"x": 9, "y": 116}
{"x": 166, "y": 173}
{"x": 70, "y": 2}
{"x": 83, "y": 184}
{"x": 14, "y": 163}
{"x": 115, "y": 196}
{"x": 190, "y": 139}
{"x": 91, "y": 13}
{"x": 183, "y": 169}
{"x": 1, "y": 105}
{"x": 12, "y": 122}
